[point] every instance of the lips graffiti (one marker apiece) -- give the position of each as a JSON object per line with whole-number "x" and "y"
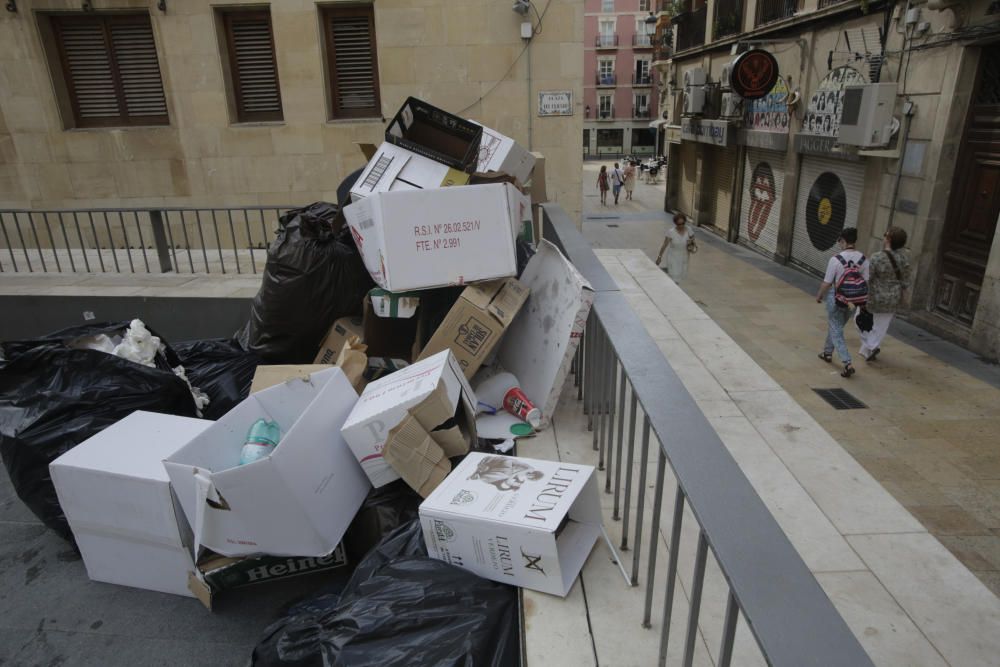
{"x": 761, "y": 199}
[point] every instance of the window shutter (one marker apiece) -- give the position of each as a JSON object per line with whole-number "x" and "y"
{"x": 254, "y": 69}
{"x": 134, "y": 52}
{"x": 353, "y": 63}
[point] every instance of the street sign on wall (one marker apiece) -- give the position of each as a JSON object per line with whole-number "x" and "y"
{"x": 555, "y": 103}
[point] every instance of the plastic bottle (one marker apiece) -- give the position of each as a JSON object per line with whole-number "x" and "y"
{"x": 504, "y": 391}
{"x": 261, "y": 441}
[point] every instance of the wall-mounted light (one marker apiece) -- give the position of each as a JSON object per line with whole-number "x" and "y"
{"x": 522, "y": 7}
{"x": 162, "y": 6}
{"x": 11, "y": 6}
{"x": 86, "y": 6}
{"x": 586, "y": 111}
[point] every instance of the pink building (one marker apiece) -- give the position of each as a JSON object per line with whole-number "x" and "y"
{"x": 620, "y": 91}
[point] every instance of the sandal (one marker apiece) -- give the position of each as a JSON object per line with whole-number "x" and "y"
{"x": 871, "y": 357}
{"x": 848, "y": 371}
{"x": 828, "y": 358}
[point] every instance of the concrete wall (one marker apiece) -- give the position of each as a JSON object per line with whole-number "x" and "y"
{"x": 453, "y": 53}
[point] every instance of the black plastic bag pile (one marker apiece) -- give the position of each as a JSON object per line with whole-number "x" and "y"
{"x": 399, "y": 608}
{"x": 222, "y": 369}
{"x": 314, "y": 275}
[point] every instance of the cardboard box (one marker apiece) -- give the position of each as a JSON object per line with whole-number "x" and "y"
{"x": 401, "y": 305}
{"x": 420, "y": 239}
{"x": 341, "y": 330}
{"x": 296, "y": 502}
{"x": 116, "y": 496}
{"x": 498, "y": 152}
{"x": 477, "y": 321}
{"x": 539, "y": 345}
{"x": 390, "y": 338}
{"x": 393, "y": 168}
{"x": 216, "y": 574}
{"x": 436, "y": 134}
{"x": 269, "y": 376}
{"x": 395, "y": 428}
{"x": 523, "y": 522}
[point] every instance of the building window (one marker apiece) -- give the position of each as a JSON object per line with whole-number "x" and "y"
{"x": 607, "y": 5}
{"x": 253, "y": 70}
{"x": 605, "y": 110}
{"x": 641, "y": 106}
{"x": 110, "y": 72}
{"x": 352, "y": 61}
{"x": 642, "y": 77}
{"x": 606, "y": 71}
{"x": 643, "y": 5}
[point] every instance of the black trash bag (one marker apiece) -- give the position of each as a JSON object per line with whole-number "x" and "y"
{"x": 384, "y": 510}
{"x": 52, "y": 398}
{"x": 222, "y": 369}
{"x": 314, "y": 275}
{"x": 524, "y": 253}
{"x": 400, "y": 608}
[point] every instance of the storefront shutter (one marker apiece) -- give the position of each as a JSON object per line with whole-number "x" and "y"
{"x": 828, "y": 200}
{"x": 723, "y": 167}
{"x": 761, "y": 202}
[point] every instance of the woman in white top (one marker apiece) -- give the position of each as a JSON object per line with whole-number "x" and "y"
{"x": 678, "y": 244}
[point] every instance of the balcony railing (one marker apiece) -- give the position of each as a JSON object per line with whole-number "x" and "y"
{"x": 642, "y": 41}
{"x": 728, "y": 18}
{"x": 769, "y": 11}
{"x": 606, "y": 114}
{"x": 690, "y": 28}
{"x": 606, "y": 41}
{"x": 827, "y": 3}
{"x": 640, "y": 112}
{"x": 642, "y": 80}
{"x": 605, "y": 80}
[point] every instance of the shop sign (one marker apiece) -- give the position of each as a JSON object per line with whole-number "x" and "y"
{"x": 770, "y": 112}
{"x": 771, "y": 141}
{"x": 672, "y": 133}
{"x": 822, "y": 117}
{"x": 715, "y": 132}
{"x": 823, "y": 146}
{"x": 754, "y": 73}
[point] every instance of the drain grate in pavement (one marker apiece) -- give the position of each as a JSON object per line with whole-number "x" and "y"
{"x": 603, "y": 217}
{"x": 612, "y": 224}
{"x": 840, "y": 399}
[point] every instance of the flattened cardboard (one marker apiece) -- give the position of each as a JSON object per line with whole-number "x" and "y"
{"x": 269, "y": 376}
{"x": 117, "y": 499}
{"x": 498, "y": 152}
{"x": 393, "y": 168}
{"x": 409, "y": 423}
{"x": 435, "y": 133}
{"x": 477, "y": 322}
{"x": 341, "y": 330}
{"x": 539, "y": 346}
{"x": 299, "y": 500}
{"x": 413, "y": 240}
{"x": 524, "y": 522}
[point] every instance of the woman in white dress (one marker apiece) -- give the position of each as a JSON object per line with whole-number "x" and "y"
{"x": 678, "y": 244}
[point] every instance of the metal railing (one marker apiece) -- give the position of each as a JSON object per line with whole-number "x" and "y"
{"x": 606, "y": 41}
{"x": 769, "y": 11}
{"x": 642, "y": 80}
{"x": 606, "y": 114}
{"x": 690, "y": 28}
{"x": 642, "y": 41}
{"x": 728, "y": 18}
{"x": 605, "y": 79}
{"x": 621, "y": 374}
{"x": 640, "y": 112}
{"x": 160, "y": 240}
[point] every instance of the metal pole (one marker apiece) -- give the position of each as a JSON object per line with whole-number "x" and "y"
{"x": 697, "y": 583}
{"x": 654, "y": 538}
{"x": 640, "y": 499}
{"x": 160, "y": 241}
{"x": 729, "y": 630}
{"x": 668, "y": 599}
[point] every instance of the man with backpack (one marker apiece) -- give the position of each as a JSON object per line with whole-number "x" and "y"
{"x": 847, "y": 275}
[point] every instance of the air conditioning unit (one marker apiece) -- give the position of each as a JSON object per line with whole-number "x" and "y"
{"x": 694, "y": 77}
{"x": 732, "y": 106}
{"x": 866, "y": 114}
{"x": 694, "y": 101}
{"x": 727, "y": 72}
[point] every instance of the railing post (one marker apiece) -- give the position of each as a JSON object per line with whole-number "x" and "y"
{"x": 160, "y": 240}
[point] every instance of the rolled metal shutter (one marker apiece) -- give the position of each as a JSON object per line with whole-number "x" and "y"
{"x": 763, "y": 185}
{"x": 689, "y": 167}
{"x": 828, "y": 200}
{"x": 722, "y": 191}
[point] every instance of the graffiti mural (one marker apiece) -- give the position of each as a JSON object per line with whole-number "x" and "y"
{"x": 769, "y": 113}
{"x": 761, "y": 199}
{"x": 822, "y": 117}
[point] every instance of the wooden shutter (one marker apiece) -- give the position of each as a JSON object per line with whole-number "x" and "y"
{"x": 353, "y": 63}
{"x": 253, "y": 66}
{"x": 111, "y": 69}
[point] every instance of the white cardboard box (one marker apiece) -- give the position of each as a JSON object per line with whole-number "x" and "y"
{"x": 296, "y": 502}
{"x": 412, "y": 240}
{"x": 394, "y": 168}
{"x": 539, "y": 346}
{"x": 498, "y": 152}
{"x": 391, "y": 429}
{"x": 116, "y": 497}
{"x": 523, "y": 522}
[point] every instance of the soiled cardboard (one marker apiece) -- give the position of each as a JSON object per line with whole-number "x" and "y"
{"x": 539, "y": 346}
{"x": 393, "y": 168}
{"x": 498, "y": 152}
{"x": 339, "y": 333}
{"x": 297, "y": 501}
{"x": 413, "y": 240}
{"x": 436, "y": 134}
{"x": 410, "y": 423}
{"x": 477, "y": 321}
{"x": 353, "y": 361}
{"x": 524, "y": 522}
{"x": 116, "y": 497}
{"x": 269, "y": 376}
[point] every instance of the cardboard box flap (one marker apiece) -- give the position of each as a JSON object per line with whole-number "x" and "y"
{"x": 481, "y": 295}
{"x": 269, "y": 376}
{"x": 384, "y": 170}
{"x": 414, "y": 454}
{"x": 508, "y": 301}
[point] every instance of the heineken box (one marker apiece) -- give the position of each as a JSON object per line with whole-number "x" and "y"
{"x": 216, "y": 574}
{"x": 519, "y": 521}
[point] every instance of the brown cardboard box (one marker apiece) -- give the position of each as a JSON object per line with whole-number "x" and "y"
{"x": 391, "y": 337}
{"x": 268, "y": 376}
{"x": 341, "y": 330}
{"x": 477, "y": 321}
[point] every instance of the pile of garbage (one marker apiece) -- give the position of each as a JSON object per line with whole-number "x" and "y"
{"x": 401, "y": 342}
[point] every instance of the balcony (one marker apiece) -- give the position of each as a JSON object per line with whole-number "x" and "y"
{"x": 605, "y": 80}
{"x": 640, "y": 113}
{"x": 664, "y": 49}
{"x": 642, "y": 41}
{"x": 606, "y": 114}
{"x": 690, "y": 27}
{"x": 728, "y": 18}
{"x": 606, "y": 41}
{"x": 642, "y": 80}
{"x": 769, "y": 11}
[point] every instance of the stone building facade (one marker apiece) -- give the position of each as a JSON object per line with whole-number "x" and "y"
{"x": 219, "y": 141}
{"x": 780, "y": 175}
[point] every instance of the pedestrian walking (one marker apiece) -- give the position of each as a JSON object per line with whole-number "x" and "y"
{"x": 890, "y": 278}
{"x": 844, "y": 284}
{"x": 629, "y": 180}
{"x": 617, "y": 180}
{"x": 678, "y": 244}
{"x": 602, "y": 184}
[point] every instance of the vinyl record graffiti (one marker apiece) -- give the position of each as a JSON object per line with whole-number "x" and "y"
{"x": 825, "y": 210}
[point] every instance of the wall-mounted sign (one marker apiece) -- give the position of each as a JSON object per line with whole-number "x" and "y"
{"x": 818, "y": 145}
{"x": 555, "y": 103}
{"x": 715, "y": 132}
{"x": 822, "y": 117}
{"x": 754, "y": 74}
{"x": 672, "y": 133}
{"x": 770, "y": 112}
